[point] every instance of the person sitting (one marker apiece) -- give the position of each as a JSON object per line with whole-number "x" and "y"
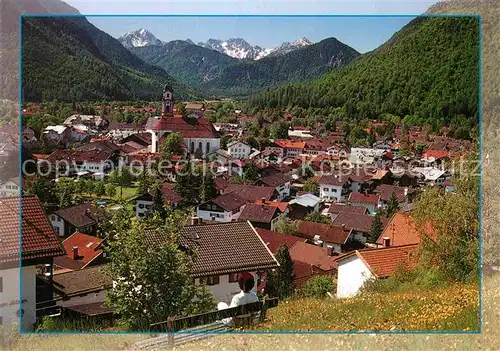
{"x": 246, "y": 283}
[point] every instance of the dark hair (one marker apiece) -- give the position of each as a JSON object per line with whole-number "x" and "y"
{"x": 246, "y": 282}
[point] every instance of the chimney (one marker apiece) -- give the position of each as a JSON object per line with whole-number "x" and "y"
{"x": 75, "y": 252}
{"x": 195, "y": 220}
{"x": 406, "y": 191}
{"x": 387, "y": 241}
{"x": 343, "y": 226}
{"x": 263, "y": 201}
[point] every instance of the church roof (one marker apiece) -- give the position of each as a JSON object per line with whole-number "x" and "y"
{"x": 187, "y": 127}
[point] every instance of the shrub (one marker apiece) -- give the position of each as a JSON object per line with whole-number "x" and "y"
{"x": 318, "y": 286}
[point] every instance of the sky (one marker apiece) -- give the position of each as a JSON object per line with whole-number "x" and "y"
{"x": 361, "y": 33}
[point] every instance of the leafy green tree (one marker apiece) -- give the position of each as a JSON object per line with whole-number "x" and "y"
{"x": 226, "y": 139}
{"x": 317, "y": 217}
{"x": 279, "y": 130}
{"x": 392, "y": 205}
{"x": 280, "y": 280}
{"x": 181, "y": 108}
{"x": 198, "y": 153}
{"x": 188, "y": 185}
{"x": 311, "y": 186}
{"x": 251, "y": 173}
{"x": 208, "y": 188}
{"x": 111, "y": 190}
{"x": 121, "y": 177}
{"x": 172, "y": 145}
{"x": 100, "y": 188}
{"x": 376, "y": 228}
{"x": 153, "y": 281}
{"x": 286, "y": 226}
{"x": 318, "y": 286}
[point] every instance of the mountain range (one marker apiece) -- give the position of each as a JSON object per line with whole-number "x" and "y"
{"x": 233, "y": 47}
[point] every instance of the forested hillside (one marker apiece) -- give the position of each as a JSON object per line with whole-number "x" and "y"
{"x": 427, "y": 72}
{"x": 69, "y": 59}
{"x": 297, "y": 66}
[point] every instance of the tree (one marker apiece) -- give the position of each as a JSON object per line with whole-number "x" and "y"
{"x": 376, "y": 229}
{"x": 110, "y": 190}
{"x": 311, "y": 186}
{"x": 317, "y": 217}
{"x": 208, "y": 189}
{"x": 144, "y": 182}
{"x": 285, "y": 226}
{"x": 371, "y": 138}
{"x": 65, "y": 189}
{"x": 100, "y": 188}
{"x": 121, "y": 177}
{"x": 188, "y": 185}
{"x": 225, "y": 140}
{"x": 180, "y": 108}
{"x": 318, "y": 286}
{"x": 392, "y": 205}
{"x": 280, "y": 280}
{"x": 44, "y": 189}
{"x": 172, "y": 145}
{"x": 198, "y": 153}
{"x": 251, "y": 173}
{"x": 153, "y": 281}
{"x": 279, "y": 130}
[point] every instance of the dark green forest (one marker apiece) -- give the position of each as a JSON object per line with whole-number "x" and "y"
{"x": 427, "y": 73}
{"x": 69, "y": 59}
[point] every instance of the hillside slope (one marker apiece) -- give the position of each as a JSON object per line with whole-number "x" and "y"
{"x": 69, "y": 59}
{"x": 188, "y": 63}
{"x": 428, "y": 70}
{"x": 454, "y": 308}
{"x": 300, "y": 65}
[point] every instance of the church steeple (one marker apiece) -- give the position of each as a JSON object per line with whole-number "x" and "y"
{"x": 167, "y": 106}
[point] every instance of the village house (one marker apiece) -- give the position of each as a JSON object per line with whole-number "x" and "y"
{"x": 304, "y": 204}
{"x": 79, "y": 218}
{"x": 359, "y": 223}
{"x": 357, "y": 267}
{"x": 311, "y": 260}
{"x": 239, "y": 150}
{"x": 10, "y": 187}
{"x": 262, "y": 215}
{"x": 144, "y": 204}
{"x": 333, "y": 188}
{"x": 58, "y": 135}
{"x": 401, "y": 230}
{"x": 94, "y": 121}
{"x": 289, "y": 147}
{"x": 197, "y": 133}
{"x": 279, "y": 181}
{"x": 404, "y": 195}
{"x": 368, "y": 201}
{"x": 82, "y": 251}
{"x": 223, "y": 208}
{"x": 223, "y": 251}
{"x": 39, "y": 247}
{"x": 252, "y": 193}
{"x": 194, "y": 110}
{"x": 432, "y": 176}
{"x": 365, "y": 156}
{"x": 76, "y": 162}
{"x": 335, "y": 209}
{"x": 338, "y": 150}
{"x": 120, "y": 131}
{"x": 325, "y": 235}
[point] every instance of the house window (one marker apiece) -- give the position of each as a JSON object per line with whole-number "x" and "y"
{"x": 141, "y": 205}
{"x": 233, "y": 278}
{"x": 53, "y": 217}
{"x": 207, "y": 147}
{"x": 212, "y": 280}
{"x": 325, "y": 189}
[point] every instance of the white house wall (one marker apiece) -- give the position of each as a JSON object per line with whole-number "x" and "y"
{"x": 9, "y": 296}
{"x": 224, "y": 291}
{"x": 352, "y": 274}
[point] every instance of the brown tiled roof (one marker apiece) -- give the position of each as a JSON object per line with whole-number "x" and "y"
{"x": 82, "y": 280}
{"x": 329, "y": 233}
{"x": 401, "y": 230}
{"x": 383, "y": 262}
{"x": 332, "y": 179}
{"x": 356, "y": 221}
{"x": 169, "y": 194}
{"x": 313, "y": 255}
{"x": 78, "y": 215}
{"x": 274, "y": 240}
{"x": 251, "y": 193}
{"x": 187, "y": 127}
{"x": 361, "y": 198}
{"x": 91, "y": 309}
{"x": 385, "y": 191}
{"x": 337, "y": 208}
{"x": 80, "y": 156}
{"x": 259, "y": 213}
{"x": 89, "y": 248}
{"x": 98, "y": 145}
{"x": 229, "y": 202}
{"x": 274, "y": 180}
{"x": 222, "y": 248}
{"x": 38, "y": 237}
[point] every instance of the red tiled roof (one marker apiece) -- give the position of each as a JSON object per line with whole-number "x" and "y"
{"x": 80, "y": 156}
{"x": 38, "y": 237}
{"x": 222, "y": 248}
{"x": 401, "y": 230}
{"x": 313, "y": 255}
{"x": 361, "y": 198}
{"x": 337, "y": 208}
{"x": 229, "y": 201}
{"x": 251, "y": 193}
{"x": 336, "y": 180}
{"x": 289, "y": 144}
{"x": 41, "y": 156}
{"x": 383, "y": 262}
{"x": 169, "y": 194}
{"x": 356, "y": 221}
{"x": 88, "y": 250}
{"x": 437, "y": 154}
{"x": 274, "y": 240}
{"x": 281, "y": 205}
{"x": 329, "y": 233}
{"x": 274, "y": 180}
{"x": 187, "y": 127}
{"x": 258, "y": 213}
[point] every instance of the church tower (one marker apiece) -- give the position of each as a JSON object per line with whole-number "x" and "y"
{"x": 167, "y": 106}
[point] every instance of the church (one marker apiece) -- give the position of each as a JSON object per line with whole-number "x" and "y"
{"x": 198, "y": 133}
